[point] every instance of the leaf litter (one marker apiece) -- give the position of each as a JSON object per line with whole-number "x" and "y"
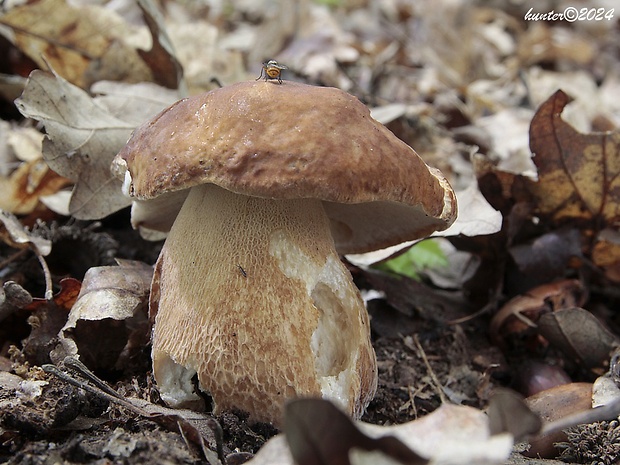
{"x": 460, "y": 83}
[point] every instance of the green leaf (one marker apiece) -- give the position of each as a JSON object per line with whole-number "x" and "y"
{"x": 423, "y": 255}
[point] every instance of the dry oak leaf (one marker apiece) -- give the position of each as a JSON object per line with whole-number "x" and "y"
{"x": 579, "y": 180}
{"x": 79, "y": 42}
{"x": 82, "y": 139}
{"x": 579, "y": 174}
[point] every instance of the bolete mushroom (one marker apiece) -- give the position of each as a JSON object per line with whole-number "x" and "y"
{"x": 249, "y": 292}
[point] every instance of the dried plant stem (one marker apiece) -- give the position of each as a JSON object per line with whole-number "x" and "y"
{"x": 430, "y": 370}
{"x": 49, "y": 292}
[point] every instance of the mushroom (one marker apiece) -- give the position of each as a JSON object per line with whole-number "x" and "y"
{"x": 249, "y": 293}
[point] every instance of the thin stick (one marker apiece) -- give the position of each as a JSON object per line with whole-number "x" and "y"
{"x": 114, "y": 398}
{"x": 432, "y": 374}
{"x": 83, "y": 370}
{"x": 49, "y": 292}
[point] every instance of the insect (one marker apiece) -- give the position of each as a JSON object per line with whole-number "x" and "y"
{"x": 272, "y": 70}
{"x": 243, "y": 273}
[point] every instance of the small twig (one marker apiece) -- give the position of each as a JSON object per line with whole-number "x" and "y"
{"x": 114, "y": 398}
{"x": 165, "y": 417}
{"x": 83, "y": 370}
{"x": 432, "y": 374}
{"x": 464, "y": 319}
{"x": 49, "y": 291}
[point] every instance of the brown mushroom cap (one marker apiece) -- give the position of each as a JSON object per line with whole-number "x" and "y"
{"x": 290, "y": 141}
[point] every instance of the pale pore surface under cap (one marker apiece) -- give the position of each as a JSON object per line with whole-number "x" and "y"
{"x": 251, "y": 295}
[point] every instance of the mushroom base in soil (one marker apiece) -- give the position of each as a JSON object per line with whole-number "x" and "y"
{"x": 250, "y": 295}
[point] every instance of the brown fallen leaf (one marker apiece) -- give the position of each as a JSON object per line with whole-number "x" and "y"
{"x": 319, "y": 433}
{"x": 408, "y": 296}
{"x": 520, "y": 314}
{"x": 24, "y": 176}
{"x": 27, "y": 184}
{"x": 579, "y": 174}
{"x": 161, "y": 58}
{"x": 606, "y": 253}
{"x": 108, "y": 322}
{"x": 75, "y": 40}
{"x": 322, "y": 435}
{"x": 579, "y": 178}
{"x": 64, "y": 299}
{"x": 13, "y": 233}
{"x": 580, "y": 335}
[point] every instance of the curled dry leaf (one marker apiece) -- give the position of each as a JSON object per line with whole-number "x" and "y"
{"x": 161, "y": 58}
{"x": 319, "y": 434}
{"x": 108, "y": 320}
{"x": 13, "y": 233}
{"x": 197, "y": 427}
{"x": 580, "y": 335}
{"x": 63, "y": 299}
{"x": 508, "y": 412}
{"x": 523, "y": 311}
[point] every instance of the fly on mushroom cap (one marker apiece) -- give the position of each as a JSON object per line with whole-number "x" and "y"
{"x": 272, "y": 70}
{"x": 249, "y": 292}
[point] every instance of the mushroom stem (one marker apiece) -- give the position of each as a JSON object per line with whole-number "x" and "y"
{"x": 250, "y": 295}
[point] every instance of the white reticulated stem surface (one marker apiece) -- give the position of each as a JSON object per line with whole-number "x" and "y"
{"x": 250, "y": 294}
